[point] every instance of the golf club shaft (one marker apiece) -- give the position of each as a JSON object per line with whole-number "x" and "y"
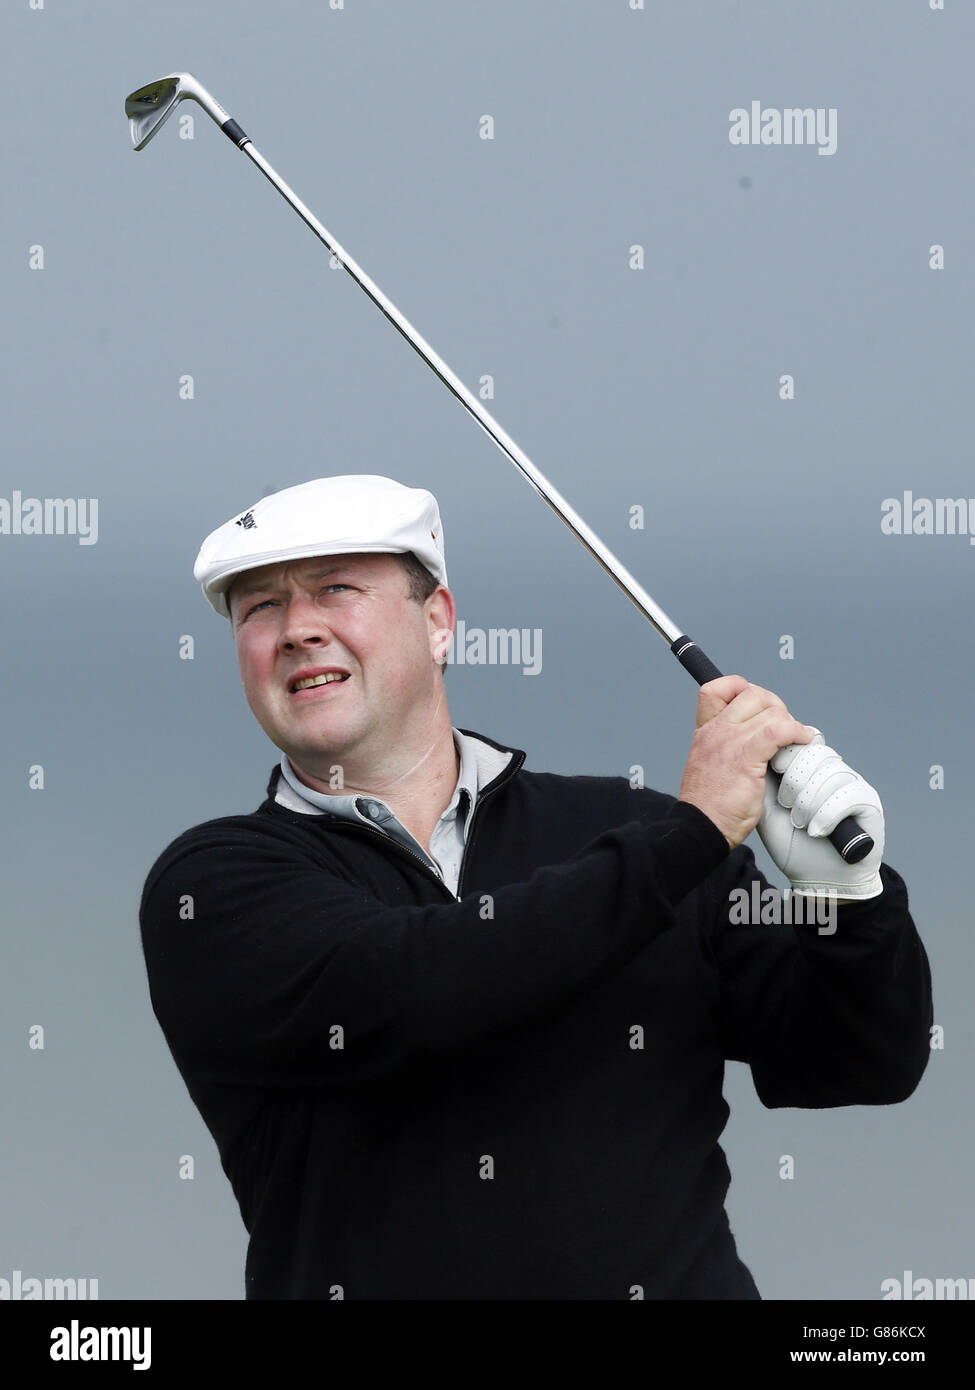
{"x": 505, "y": 443}
{"x": 850, "y": 840}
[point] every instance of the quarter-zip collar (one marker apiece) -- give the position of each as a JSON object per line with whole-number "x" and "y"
{"x": 496, "y": 763}
{"x": 444, "y": 852}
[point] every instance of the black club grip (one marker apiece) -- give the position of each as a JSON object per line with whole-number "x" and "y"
{"x": 851, "y": 841}
{"x": 234, "y": 132}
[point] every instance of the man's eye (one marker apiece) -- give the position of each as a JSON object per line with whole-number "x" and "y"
{"x": 264, "y": 602}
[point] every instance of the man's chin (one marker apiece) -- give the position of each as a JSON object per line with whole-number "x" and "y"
{"x": 319, "y": 754}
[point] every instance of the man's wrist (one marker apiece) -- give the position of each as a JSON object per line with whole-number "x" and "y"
{"x": 683, "y": 801}
{"x": 833, "y": 897}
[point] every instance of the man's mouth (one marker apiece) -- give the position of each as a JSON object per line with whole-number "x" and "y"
{"x": 311, "y": 682}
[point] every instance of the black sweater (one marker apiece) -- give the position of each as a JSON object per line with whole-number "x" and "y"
{"x": 516, "y": 1094}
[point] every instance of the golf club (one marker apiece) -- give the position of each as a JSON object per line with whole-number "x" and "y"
{"x": 150, "y": 106}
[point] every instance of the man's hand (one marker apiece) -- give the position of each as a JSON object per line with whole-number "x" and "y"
{"x": 817, "y": 790}
{"x": 739, "y": 728}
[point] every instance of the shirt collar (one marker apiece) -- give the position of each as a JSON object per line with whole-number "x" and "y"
{"x": 466, "y": 780}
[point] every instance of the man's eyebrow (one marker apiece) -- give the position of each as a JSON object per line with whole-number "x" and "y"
{"x": 257, "y": 586}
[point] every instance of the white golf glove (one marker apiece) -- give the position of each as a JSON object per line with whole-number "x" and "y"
{"x": 817, "y": 791}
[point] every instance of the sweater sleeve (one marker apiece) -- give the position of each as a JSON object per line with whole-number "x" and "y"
{"x": 289, "y": 975}
{"x": 823, "y": 1016}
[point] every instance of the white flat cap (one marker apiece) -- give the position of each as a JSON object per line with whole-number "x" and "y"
{"x": 327, "y": 516}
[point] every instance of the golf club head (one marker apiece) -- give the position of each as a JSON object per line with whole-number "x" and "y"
{"x": 150, "y": 106}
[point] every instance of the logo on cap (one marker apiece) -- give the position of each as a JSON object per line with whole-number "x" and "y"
{"x": 247, "y": 521}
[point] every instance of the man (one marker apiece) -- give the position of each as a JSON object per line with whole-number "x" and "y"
{"x": 457, "y": 1028}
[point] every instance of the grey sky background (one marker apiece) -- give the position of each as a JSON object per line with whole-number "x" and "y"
{"x": 657, "y": 387}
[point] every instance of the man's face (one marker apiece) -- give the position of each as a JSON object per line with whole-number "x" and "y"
{"x": 348, "y": 614}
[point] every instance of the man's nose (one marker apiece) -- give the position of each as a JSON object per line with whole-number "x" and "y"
{"x": 304, "y": 622}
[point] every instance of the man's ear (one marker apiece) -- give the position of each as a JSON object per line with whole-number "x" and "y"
{"x": 441, "y": 621}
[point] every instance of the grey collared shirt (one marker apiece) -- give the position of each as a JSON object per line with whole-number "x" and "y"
{"x": 446, "y": 848}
